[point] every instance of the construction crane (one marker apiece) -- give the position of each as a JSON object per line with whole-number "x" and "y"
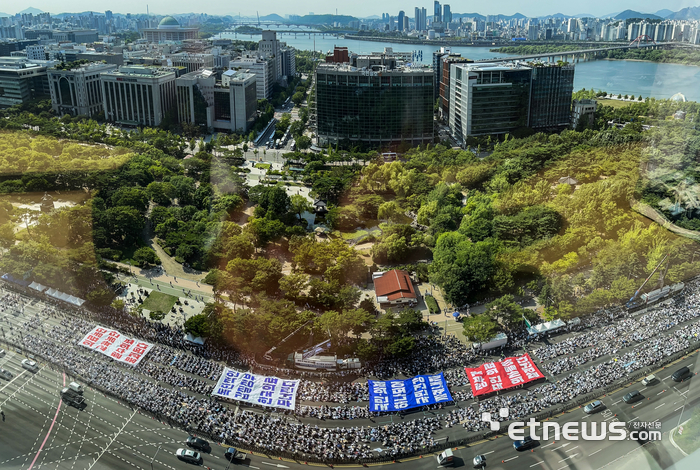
{"x": 633, "y": 302}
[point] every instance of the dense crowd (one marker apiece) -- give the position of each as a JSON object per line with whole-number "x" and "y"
{"x": 184, "y": 379}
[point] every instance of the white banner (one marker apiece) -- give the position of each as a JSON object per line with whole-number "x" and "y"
{"x": 115, "y": 345}
{"x": 257, "y": 389}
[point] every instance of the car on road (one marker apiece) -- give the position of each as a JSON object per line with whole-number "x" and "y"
{"x": 2, "y": 353}
{"x": 199, "y": 444}
{"x": 594, "y": 407}
{"x": 633, "y": 396}
{"x": 479, "y": 461}
{"x": 526, "y": 444}
{"x": 189, "y": 456}
{"x": 31, "y": 366}
{"x": 681, "y": 374}
{"x": 233, "y": 455}
{"x": 5, "y": 374}
{"x": 649, "y": 380}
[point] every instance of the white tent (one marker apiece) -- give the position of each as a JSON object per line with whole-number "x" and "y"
{"x": 545, "y": 327}
{"x": 37, "y": 286}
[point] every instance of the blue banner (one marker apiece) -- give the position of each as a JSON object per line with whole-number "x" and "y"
{"x": 396, "y": 395}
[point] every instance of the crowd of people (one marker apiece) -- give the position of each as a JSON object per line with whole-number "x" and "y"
{"x": 174, "y": 380}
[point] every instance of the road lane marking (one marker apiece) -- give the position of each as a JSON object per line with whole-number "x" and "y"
{"x": 595, "y": 452}
{"x": 586, "y": 417}
{"x": 641, "y": 390}
{"x": 512, "y": 458}
{"x": 562, "y": 468}
{"x": 636, "y": 417}
{"x": 662, "y": 391}
{"x": 618, "y": 401}
{"x": 490, "y": 452}
{"x": 60, "y": 401}
{"x": 551, "y": 444}
{"x": 538, "y": 463}
{"x": 667, "y": 377}
{"x": 569, "y": 457}
{"x": 564, "y": 445}
{"x": 680, "y": 391}
{"x": 660, "y": 406}
{"x": 679, "y": 408}
{"x": 569, "y": 450}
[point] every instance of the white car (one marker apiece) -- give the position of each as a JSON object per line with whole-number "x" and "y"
{"x": 649, "y": 380}
{"x": 2, "y": 353}
{"x": 189, "y": 456}
{"x": 30, "y": 365}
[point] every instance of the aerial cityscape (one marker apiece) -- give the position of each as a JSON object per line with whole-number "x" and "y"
{"x": 301, "y": 235}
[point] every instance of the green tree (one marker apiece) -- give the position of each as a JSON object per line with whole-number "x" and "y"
{"x": 299, "y": 204}
{"x": 505, "y": 311}
{"x": 197, "y": 325}
{"x": 303, "y": 142}
{"x": 480, "y": 328}
{"x": 7, "y": 235}
{"x": 145, "y": 256}
{"x": 461, "y": 267}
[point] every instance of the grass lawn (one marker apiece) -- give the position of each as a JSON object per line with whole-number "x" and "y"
{"x": 263, "y": 166}
{"x": 690, "y": 439}
{"x": 159, "y": 301}
{"x": 616, "y": 103}
{"x": 432, "y": 304}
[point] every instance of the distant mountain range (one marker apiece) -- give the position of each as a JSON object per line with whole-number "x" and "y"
{"x": 690, "y": 13}
{"x": 32, "y": 10}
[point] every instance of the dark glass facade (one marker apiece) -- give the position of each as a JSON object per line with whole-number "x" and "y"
{"x": 500, "y": 101}
{"x": 552, "y": 90}
{"x": 383, "y": 109}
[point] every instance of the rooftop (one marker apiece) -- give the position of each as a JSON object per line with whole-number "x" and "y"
{"x": 394, "y": 284}
{"x": 137, "y": 70}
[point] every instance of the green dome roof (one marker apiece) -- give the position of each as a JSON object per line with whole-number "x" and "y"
{"x": 168, "y": 21}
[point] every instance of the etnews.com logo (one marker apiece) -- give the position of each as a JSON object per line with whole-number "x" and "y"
{"x": 571, "y": 431}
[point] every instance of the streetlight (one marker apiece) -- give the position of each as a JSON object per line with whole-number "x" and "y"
{"x": 154, "y": 457}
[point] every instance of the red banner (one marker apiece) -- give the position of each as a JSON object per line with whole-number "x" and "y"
{"x": 115, "y": 345}
{"x": 502, "y": 375}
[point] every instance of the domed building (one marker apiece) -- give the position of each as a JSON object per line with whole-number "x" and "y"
{"x": 169, "y": 29}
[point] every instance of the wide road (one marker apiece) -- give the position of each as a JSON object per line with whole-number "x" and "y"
{"x": 41, "y": 431}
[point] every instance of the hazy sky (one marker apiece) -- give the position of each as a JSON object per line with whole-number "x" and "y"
{"x": 356, "y": 8}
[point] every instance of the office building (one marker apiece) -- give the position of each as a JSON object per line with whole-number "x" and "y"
{"x": 190, "y": 62}
{"x": 169, "y": 29}
{"x": 137, "y": 95}
{"x": 262, "y": 68}
{"x": 421, "y": 19}
{"x": 36, "y": 52}
{"x": 289, "y": 62}
{"x": 269, "y": 48}
{"x": 227, "y": 105}
{"x": 376, "y": 106}
{"x": 550, "y": 96}
{"x": 437, "y": 12}
{"x": 446, "y": 14}
{"x": 583, "y": 113}
{"x": 499, "y": 98}
{"x": 402, "y": 15}
{"x": 445, "y": 63}
{"x": 8, "y": 47}
{"x": 488, "y": 99}
{"x": 21, "y": 81}
{"x": 78, "y": 91}
{"x": 340, "y": 55}
{"x": 235, "y": 101}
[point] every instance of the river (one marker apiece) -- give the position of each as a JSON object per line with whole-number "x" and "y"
{"x": 626, "y": 77}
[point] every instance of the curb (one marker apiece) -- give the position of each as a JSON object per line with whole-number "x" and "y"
{"x": 673, "y": 443}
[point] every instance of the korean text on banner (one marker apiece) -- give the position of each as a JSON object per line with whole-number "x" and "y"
{"x": 115, "y": 345}
{"x": 509, "y": 373}
{"x": 395, "y": 395}
{"x": 257, "y": 389}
